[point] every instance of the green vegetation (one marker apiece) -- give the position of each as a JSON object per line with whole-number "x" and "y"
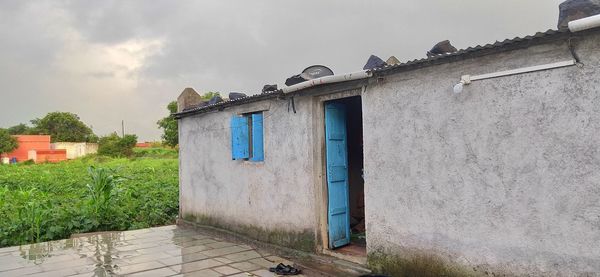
{"x": 20, "y": 129}
{"x": 170, "y": 134}
{"x": 64, "y": 126}
{"x": 115, "y": 146}
{"x": 156, "y": 152}
{"x": 7, "y": 143}
{"x": 95, "y": 193}
{"x": 61, "y": 126}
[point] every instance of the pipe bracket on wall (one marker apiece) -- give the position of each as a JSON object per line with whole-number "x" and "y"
{"x": 291, "y": 101}
{"x": 573, "y": 53}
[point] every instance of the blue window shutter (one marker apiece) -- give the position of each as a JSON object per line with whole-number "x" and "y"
{"x": 258, "y": 154}
{"x": 239, "y": 137}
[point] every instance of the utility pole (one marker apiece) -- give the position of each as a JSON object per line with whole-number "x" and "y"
{"x": 122, "y": 128}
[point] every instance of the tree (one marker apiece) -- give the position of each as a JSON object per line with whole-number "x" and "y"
{"x": 115, "y": 146}
{"x": 7, "y": 142}
{"x": 207, "y": 96}
{"x": 169, "y": 124}
{"x": 64, "y": 126}
{"x": 20, "y": 129}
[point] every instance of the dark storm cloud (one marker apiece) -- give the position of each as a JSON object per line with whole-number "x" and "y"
{"x": 113, "y": 60}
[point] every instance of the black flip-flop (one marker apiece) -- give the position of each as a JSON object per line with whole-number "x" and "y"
{"x": 276, "y": 268}
{"x": 282, "y": 269}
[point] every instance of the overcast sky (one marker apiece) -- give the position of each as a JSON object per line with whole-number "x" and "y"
{"x": 109, "y": 61}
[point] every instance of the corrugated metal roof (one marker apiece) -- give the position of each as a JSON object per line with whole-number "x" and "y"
{"x": 517, "y": 42}
{"x": 498, "y": 46}
{"x": 228, "y": 103}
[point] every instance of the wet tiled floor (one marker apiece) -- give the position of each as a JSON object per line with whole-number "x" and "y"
{"x": 162, "y": 251}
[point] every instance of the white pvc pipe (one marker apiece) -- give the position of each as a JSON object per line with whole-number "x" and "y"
{"x": 585, "y": 23}
{"x": 327, "y": 80}
{"x": 466, "y": 79}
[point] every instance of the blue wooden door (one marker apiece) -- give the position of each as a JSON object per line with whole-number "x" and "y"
{"x": 337, "y": 174}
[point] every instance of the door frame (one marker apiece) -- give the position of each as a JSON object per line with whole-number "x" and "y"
{"x": 320, "y": 165}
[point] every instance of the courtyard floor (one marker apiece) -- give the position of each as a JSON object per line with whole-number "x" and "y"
{"x": 162, "y": 251}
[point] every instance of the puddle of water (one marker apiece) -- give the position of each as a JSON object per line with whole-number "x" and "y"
{"x": 109, "y": 253}
{"x": 100, "y": 251}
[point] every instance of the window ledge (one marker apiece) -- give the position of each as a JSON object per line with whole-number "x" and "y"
{"x": 247, "y": 162}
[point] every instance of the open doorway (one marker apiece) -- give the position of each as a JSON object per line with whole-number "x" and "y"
{"x": 345, "y": 183}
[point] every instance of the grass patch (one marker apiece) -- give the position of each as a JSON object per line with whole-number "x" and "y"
{"x": 156, "y": 153}
{"x": 52, "y": 201}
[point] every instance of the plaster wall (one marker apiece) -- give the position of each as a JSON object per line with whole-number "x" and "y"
{"x": 503, "y": 177}
{"x": 76, "y": 149}
{"x": 277, "y": 194}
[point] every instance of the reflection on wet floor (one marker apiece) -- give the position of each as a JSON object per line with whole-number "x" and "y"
{"x": 162, "y": 251}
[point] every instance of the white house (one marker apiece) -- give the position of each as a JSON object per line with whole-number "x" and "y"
{"x": 482, "y": 161}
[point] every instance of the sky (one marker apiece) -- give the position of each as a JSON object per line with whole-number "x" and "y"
{"x": 108, "y": 61}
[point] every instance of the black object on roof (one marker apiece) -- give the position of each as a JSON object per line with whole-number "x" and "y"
{"x": 374, "y": 62}
{"x": 296, "y": 79}
{"x": 215, "y": 100}
{"x": 236, "y": 95}
{"x": 267, "y": 88}
{"x": 576, "y": 9}
{"x": 442, "y": 47}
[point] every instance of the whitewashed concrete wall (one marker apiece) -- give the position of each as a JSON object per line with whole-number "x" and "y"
{"x": 276, "y": 194}
{"x": 76, "y": 149}
{"x": 503, "y": 177}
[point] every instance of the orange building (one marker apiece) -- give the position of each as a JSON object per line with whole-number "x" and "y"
{"x": 37, "y": 148}
{"x": 48, "y": 155}
{"x": 143, "y": 144}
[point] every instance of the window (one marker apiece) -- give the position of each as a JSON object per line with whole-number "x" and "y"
{"x": 247, "y": 137}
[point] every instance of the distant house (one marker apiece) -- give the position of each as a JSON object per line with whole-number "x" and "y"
{"x": 76, "y": 149}
{"x": 485, "y": 160}
{"x": 28, "y": 143}
{"x": 143, "y": 145}
{"x": 36, "y": 148}
{"x": 47, "y": 155}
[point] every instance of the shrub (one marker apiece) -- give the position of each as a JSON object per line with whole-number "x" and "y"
{"x": 101, "y": 193}
{"x": 7, "y": 142}
{"x": 115, "y": 146}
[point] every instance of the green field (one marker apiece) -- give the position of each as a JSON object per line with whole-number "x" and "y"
{"x": 52, "y": 201}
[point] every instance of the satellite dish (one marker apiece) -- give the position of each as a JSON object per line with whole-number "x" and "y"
{"x": 316, "y": 71}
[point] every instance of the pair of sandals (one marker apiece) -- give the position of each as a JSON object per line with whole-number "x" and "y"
{"x": 282, "y": 269}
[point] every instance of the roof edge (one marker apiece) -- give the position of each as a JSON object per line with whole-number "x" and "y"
{"x": 470, "y": 52}
{"x": 477, "y": 51}
{"x": 222, "y": 105}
